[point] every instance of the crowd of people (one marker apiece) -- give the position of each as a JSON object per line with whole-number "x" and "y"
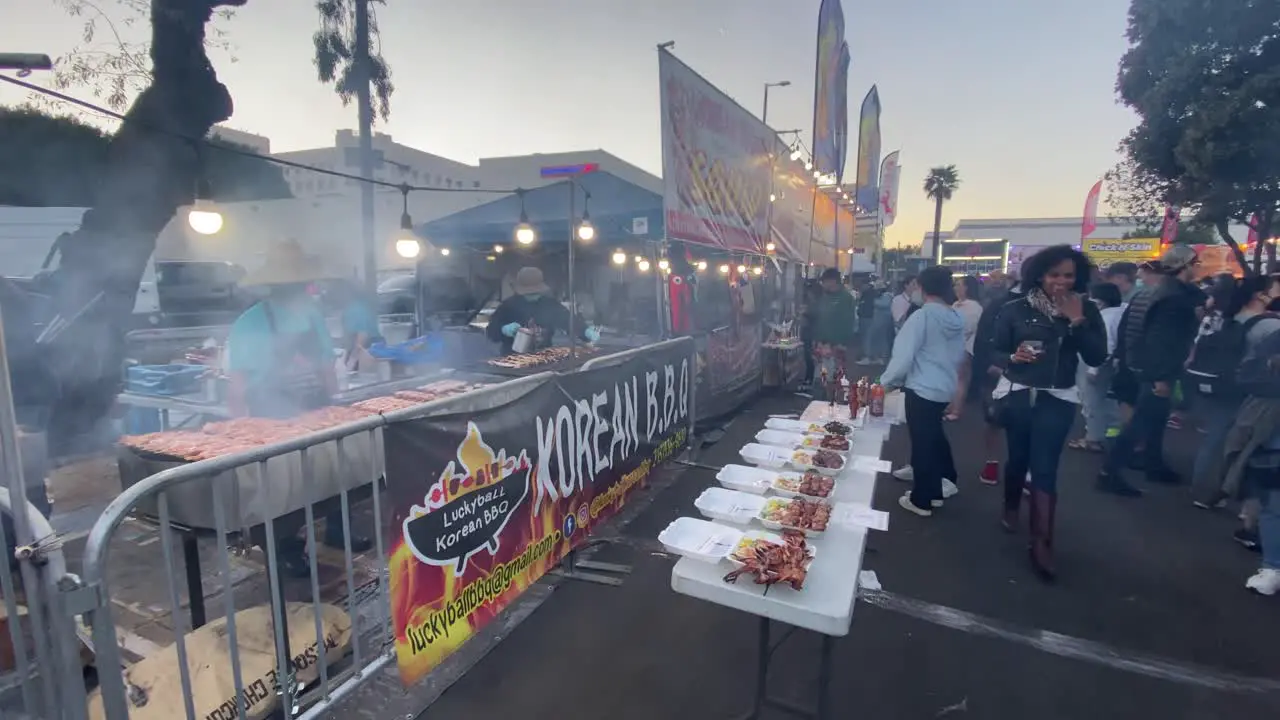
{"x": 1130, "y": 350}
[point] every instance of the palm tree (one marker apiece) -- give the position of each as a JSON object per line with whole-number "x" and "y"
{"x": 939, "y": 185}
{"x": 336, "y": 49}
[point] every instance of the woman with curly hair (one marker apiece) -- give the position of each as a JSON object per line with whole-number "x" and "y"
{"x": 1039, "y": 341}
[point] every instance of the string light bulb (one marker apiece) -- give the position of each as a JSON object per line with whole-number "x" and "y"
{"x": 770, "y": 247}
{"x": 525, "y": 234}
{"x": 702, "y": 265}
{"x": 757, "y": 270}
{"x": 724, "y": 269}
{"x": 407, "y": 245}
{"x": 644, "y": 266}
{"x": 664, "y": 264}
{"x": 619, "y": 258}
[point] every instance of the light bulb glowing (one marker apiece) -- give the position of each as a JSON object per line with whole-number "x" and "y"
{"x": 702, "y": 265}
{"x": 664, "y": 264}
{"x": 770, "y": 247}
{"x": 724, "y": 269}
{"x": 757, "y": 270}
{"x": 444, "y": 252}
{"x": 586, "y": 231}
{"x": 408, "y": 248}
{"x": 619, "y": 258}
{"x": 808, "y": 165}
{"x": 204, "y": 217}
{"x": 644, "y": 266}
{"x": 499, "y": 249}
{"x": 742, "y": 268}
{"x": 525, "y": 234}
{"x": 773, "y": 197}
{"x": 795, "y": 154}
{"x": 639, "y": 259}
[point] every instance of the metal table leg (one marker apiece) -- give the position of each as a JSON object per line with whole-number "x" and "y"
{"x": 195, "y": 587}
{"x": 762, "y": 699}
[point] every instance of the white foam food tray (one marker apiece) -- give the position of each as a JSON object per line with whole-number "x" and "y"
{"x": 765, "y": 456}
{"x": 765, "y": 535}
{"x": 699, "y": 539}
{"x": 730, "y": 506}
{"x": 794, "y": 441}
{"x": 775, "y": 525}
{"x": 756, "y": 481}
{"x": 800, "y": 426}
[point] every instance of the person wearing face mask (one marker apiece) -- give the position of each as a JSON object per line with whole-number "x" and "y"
{"x": 532, "y": 307}
{"x": 1158, "y": 331}
{"x": 1040, "y": 339}
{"x": 280, "y": 363}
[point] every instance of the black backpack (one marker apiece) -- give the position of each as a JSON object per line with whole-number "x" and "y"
{"x": 1217, "y": 357}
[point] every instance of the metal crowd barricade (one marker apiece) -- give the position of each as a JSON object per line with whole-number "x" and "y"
{"x": 368, "y": 654}
{"x": 48, "y": 674}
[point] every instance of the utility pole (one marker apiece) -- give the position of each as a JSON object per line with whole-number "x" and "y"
{"x": 364, "y": 105}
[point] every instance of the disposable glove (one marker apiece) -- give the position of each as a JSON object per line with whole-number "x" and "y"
{"x": 510, "y": 329}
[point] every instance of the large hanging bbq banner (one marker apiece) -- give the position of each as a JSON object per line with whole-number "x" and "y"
{"x": 487, "y": 502}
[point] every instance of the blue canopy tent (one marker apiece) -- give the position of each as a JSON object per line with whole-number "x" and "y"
{"x": 620, "y": 211}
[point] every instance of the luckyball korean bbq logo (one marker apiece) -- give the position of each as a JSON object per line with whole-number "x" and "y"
{"x": 467, "y": 507}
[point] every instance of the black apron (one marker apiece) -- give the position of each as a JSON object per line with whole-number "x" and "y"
{"x": 296, "y": 381}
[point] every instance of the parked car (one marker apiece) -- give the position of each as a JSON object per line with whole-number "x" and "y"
{"x": 398, "y": 295}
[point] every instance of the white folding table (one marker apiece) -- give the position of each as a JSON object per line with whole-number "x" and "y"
{"x": 825, "y": 604}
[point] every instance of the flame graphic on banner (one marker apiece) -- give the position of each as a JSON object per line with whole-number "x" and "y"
{"x": 435, "y": 610}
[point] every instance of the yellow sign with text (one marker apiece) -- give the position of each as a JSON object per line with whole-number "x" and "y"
{"x": 1135, "y": 250}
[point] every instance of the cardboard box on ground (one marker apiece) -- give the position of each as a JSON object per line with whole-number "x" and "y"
{"x": 158, "y": 682}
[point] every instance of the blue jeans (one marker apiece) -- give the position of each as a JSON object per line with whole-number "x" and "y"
{"x": 1035, "y": 433}
{"x": 1269, "y": 527}
{"x": 1218, "y": 416}
{"x": 1100, "y": 412}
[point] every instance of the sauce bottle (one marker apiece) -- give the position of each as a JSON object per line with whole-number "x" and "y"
{"x": 877, "y": 399}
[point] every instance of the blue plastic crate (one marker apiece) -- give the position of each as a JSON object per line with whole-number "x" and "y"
{"x": 418, "y": 351}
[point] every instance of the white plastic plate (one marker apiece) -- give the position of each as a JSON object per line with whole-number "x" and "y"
{"x": 774, "y": 525}
{"x": 731, "y": 506}
{"x": 699, "y": 539}
{"x": 756, "y": 481}
{"x": 779, "y": 486}
{"x": 797, "y": 459}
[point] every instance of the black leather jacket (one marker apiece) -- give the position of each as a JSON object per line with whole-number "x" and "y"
{"x": 1064, "y": 345}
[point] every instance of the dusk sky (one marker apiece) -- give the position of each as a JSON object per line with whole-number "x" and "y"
{"x": 1018, "y": 95}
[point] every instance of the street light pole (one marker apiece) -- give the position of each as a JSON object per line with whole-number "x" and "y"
{"x": 764, "y": 115}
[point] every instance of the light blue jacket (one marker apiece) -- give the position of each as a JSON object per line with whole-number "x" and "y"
{"x": 927, "y": 353}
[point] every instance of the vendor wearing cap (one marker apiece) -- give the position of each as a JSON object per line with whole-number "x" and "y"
{"x": 532, "y": 307}
{"x": 280, "y": 360}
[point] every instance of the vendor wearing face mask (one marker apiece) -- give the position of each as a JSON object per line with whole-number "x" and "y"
{"x": 281, "y": 364}
{"x": 532, "y": 307}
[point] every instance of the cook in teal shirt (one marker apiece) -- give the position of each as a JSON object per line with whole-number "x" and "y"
{"x": 277, "y": 339}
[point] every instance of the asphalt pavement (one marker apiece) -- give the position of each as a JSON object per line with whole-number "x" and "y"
{"x": 1149, "y": 617}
